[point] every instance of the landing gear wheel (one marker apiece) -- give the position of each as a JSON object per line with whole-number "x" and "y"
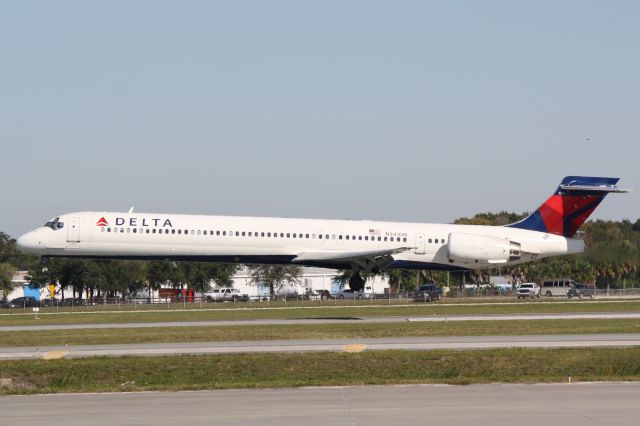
{"x": 356, "y": 283}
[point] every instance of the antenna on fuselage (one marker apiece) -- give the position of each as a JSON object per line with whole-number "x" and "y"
{"x": 131, "y": 210}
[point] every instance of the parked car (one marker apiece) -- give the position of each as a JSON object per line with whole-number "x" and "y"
{"x": 49, "y": 302}
{"x": 528, "y": 290}
{"x": 582, "y": 290}
{"x": 350, "y": 294}
{"x": 71, "y": 302}
{"x": 225, "y": 295}
{"x": 427, "y": 293}
{"x": 4, "y": 304}
{"x": 24, "y": 302}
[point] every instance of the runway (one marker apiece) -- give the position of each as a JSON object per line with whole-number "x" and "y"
{"x": 332, "y": 320}
{"x": 343, "y": 345}
{"x": 609, "y": 404}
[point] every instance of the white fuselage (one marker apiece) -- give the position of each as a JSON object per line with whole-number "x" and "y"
{"x": 116, "y": 235}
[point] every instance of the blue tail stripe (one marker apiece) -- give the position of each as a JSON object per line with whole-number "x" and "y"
{"x": 532, "y": 222}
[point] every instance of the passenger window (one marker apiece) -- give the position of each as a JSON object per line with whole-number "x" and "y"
{"x": 391, "y": 239}
{"x": 288, "y": 235}
{"x": 379, "y": 238}
{"x": 268, "y": 234}
{"x": 281, "y": 235}
{"x": 154, "y": 230}
{"x": 385, "y": 238}
{"x": 320, "y": 236}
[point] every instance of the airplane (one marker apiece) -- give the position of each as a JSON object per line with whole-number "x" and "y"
{"x": 359, "y": 245}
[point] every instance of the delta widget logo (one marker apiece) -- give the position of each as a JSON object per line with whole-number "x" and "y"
{"x": 102, "y": 222}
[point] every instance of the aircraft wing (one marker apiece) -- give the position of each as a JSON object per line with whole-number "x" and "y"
{"x": 365, "y": 259}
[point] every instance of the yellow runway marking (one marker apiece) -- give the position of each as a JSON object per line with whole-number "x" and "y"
{"x": 352, "y": 349}
{"x": 54, "y": 355}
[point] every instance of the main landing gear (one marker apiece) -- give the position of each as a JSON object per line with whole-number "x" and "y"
{"x": 356, "y": 283}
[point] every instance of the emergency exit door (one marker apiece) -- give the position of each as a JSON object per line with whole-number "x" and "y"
{"x": 73, "y": 230}
{"x": 420, "y": 243}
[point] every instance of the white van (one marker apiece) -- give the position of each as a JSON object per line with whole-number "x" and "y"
{"x": 557, "y": 286}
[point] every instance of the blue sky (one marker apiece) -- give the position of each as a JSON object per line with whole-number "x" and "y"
{"x": 407, "y": 111}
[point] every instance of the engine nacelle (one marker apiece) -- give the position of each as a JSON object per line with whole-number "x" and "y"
{"x": 473, "y": 248}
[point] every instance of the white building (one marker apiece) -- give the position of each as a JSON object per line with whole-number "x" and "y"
{"x": 20, "y": 287}
{"x": 310, "y": 279}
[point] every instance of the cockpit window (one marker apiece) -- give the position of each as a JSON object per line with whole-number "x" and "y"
{"x": 55, "y": 224}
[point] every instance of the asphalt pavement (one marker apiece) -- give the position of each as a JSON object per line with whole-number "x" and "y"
{"x": 323, "y": 345}
{"x": 333, "y": 320}
{"x": 572, "y": 404}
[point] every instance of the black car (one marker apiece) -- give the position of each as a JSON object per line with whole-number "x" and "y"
{"x": 24, "y": 302}
{"x": 427, "y": 293}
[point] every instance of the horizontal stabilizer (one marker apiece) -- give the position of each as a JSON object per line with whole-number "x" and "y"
{"x": 584, "y": 184}
{"x": 571, "y": 204}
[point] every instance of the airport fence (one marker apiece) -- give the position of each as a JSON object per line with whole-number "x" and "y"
{"x": 156, "y": 303}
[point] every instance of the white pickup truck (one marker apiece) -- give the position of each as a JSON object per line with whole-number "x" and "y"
{"x": 225, "y": 294}
{"x": 526, "y": 290}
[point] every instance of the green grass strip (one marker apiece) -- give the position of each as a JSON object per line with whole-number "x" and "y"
{"x": 228, "y": 311}
{"x": 318, "y": 369}
{"x": 314, "y": 331}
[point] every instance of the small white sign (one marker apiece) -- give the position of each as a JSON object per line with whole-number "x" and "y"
{"x": 36, "y": 309}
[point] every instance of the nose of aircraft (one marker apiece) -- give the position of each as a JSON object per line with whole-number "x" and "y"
{"x": 29, "y": 243}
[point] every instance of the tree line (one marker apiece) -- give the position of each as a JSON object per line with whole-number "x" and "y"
{"x": 611, "y": 259}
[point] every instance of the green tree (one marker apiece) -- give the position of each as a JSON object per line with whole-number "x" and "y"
{"x": 199, "y": 275}
{"x": 275, "y": 277}
{"x": 6, "y": 274}
{"x": 9, "y": 253}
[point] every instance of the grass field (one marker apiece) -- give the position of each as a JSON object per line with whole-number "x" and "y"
{"x": 318, "y": 369}
{"x": 313, "y": 331}
{"x": 247, "y": 312}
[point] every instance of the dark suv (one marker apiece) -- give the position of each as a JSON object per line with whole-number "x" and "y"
{"x": 24, "y": 302}
{"x": 581, "y": 290}
{"x": 427, "y": 293}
